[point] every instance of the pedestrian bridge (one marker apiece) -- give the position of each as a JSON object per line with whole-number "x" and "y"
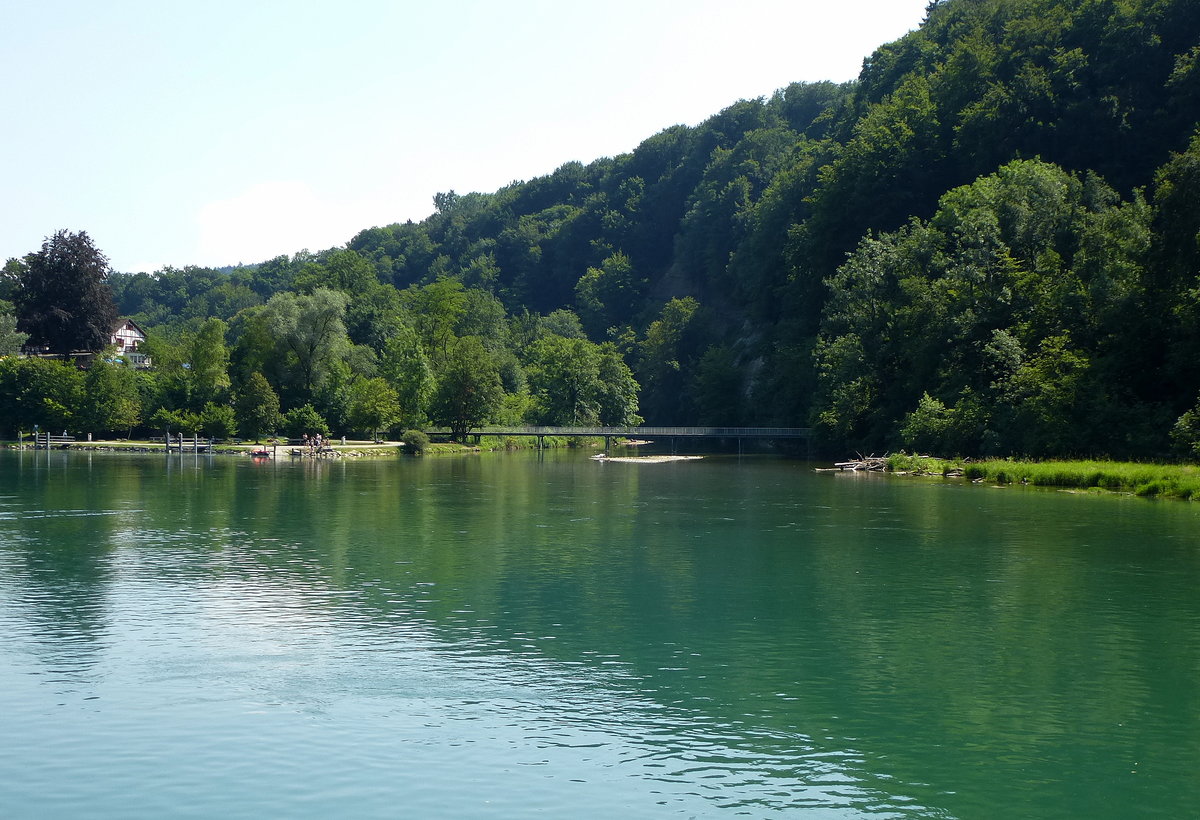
{"x": 609, "y": 433}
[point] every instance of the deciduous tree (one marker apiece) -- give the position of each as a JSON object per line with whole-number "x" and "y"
{"x": 11, "y": 339}
{"x": 469, "y": 390}
{"x": 374, "y": 405}
{"x": 304, "y": 420}
{"x": 111, "y": 400}
{"x": 311, "y": 329}
{"x": 407, "y": 370}
{"x": 218, "y": 421}
{"x": 63, "y": 300}
{"x": 564, "y": 379}
{"x": 208, "y": 365}
{"x": 44, "y": 392}
{"x": 257, "y": 408}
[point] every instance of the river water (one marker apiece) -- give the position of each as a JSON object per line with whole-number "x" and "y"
{"x": 543, "y": 635}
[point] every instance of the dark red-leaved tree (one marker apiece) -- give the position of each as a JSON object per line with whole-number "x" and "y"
{"x": 63, "y": 299}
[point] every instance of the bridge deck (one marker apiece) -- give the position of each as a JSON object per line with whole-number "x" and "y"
{"x": 642, "y": 432}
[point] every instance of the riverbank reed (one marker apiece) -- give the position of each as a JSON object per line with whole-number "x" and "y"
{"x": 1149, "y": 480}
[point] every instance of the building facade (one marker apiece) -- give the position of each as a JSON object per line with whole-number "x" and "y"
{"x": 128, "y": 337}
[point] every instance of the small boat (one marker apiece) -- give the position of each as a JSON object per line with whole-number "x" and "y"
{"x": 261, "y": 452}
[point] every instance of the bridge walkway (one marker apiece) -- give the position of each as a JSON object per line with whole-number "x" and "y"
{"x": 610, "y": 433}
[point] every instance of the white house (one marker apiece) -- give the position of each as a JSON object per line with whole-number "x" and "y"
{"x": 127, "y": 337}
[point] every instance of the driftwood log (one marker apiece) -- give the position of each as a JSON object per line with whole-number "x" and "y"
{"x": 878, "y": 464}
{"x": 868, "y": 463}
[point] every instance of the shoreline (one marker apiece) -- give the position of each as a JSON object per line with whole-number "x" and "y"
{"x": 1175, "y": 481}
{"x": 351, "y": 449}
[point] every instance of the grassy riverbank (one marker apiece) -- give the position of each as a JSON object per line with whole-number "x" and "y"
{"x": 1150, "y": 480}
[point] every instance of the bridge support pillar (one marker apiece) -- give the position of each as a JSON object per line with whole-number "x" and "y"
{"x": 541, "y": 442}
{"x": 607, "y": 443}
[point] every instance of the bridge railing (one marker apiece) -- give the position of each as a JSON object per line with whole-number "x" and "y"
{"x": 639, "y": 432}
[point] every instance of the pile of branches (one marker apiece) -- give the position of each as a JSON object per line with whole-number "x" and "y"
{"x": 865, "y": 463}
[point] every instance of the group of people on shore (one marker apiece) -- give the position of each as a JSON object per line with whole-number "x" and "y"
{"x": 314, "y": 443}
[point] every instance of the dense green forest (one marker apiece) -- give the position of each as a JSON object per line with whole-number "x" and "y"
{"x": 988, "y": 243}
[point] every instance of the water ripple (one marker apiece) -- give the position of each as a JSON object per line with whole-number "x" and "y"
{"x": 313, "y": 649}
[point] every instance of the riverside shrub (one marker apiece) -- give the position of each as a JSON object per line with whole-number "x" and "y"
{"x": 415, "y": 442}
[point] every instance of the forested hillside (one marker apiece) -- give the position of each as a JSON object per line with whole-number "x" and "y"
{"x": 987, "y": 244}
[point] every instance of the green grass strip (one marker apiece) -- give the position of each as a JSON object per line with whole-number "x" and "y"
{"x": 1150, "y": 480}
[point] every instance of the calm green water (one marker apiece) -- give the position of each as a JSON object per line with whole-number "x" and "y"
{"x": 511, "y": 636}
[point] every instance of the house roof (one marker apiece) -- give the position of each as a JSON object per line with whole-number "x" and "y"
{"x": 125, "y": 322}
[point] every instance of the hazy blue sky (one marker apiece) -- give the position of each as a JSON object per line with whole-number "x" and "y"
{"x": 221, "y": 132}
